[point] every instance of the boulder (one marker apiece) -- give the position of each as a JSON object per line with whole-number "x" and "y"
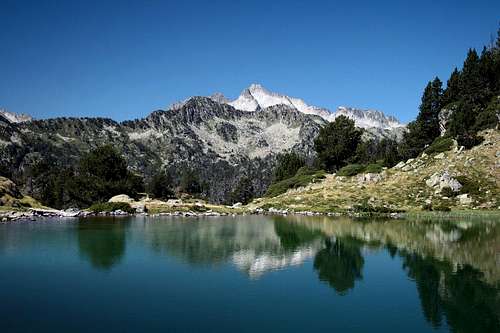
{"x": 122, "y": 198}
{"x": 400, "y": 165}
{"x": 442, "y": 180}
{"x": 464, "y": 199}
{"x": 369, "y": 178}
{"x": 439, "y": 156}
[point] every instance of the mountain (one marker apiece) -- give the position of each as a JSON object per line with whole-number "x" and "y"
{"x": 222, "y": 141}
{"x": 222, "y": 144}
{"x": 256, "y": 96}
{"x": 14, "y": 117}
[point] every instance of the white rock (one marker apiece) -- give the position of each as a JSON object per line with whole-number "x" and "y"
{"x": 443, "y": 180}
{"x": 121, "y": 198}
{"x": 439, "y": 156}
{"x": 369, "y": 178}
{"x": 400, "y": 165}
{"x": 464, "y": 199}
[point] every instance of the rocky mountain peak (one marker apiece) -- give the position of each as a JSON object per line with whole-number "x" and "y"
{"x": 368, "y": 118}
{"x": 15, "y": 117}
{"x": 219, "y": 98}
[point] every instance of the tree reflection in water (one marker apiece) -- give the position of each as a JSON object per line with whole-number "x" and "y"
{"x": 340, "y": 263}
{"x": 458, "y": 294}
{"x": 102, "y": 241}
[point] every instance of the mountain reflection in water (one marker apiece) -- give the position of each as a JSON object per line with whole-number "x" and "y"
{"x": 454, "y": 265}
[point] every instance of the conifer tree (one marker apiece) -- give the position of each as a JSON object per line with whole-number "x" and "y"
{"x": 452, "y": 92}
{"x": 470, "y": 79}
{"x": 429, "y": 110}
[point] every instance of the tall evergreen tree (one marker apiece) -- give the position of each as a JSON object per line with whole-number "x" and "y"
{"x": 429, "y": 110}
{"x": 337, "y": 142}
{"x": 471, "y": 84}
{"x": 452, "y": 92}
{"x": 288, "y": 164}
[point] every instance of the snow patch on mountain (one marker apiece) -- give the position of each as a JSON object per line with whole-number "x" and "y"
{"x": 257, "y": 97}
{"x": 14, "y": 117}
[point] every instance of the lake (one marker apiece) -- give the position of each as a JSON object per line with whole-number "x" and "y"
{"x": 249, "y": 274}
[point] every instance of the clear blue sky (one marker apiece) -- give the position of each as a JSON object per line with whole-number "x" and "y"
{"x": 124, "y": 59}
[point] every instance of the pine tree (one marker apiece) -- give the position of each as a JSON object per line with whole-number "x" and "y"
{"x": 470, "y": 80}
{"x": 337, "y": 142}
{"x": 161, "y": 186}
{"x": 452, "y": 92}
{"x": 429, "y": 110}
{"x": 288, "y": 164}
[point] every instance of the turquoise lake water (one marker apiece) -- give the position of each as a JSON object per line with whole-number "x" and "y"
{"x": 249, "y": 274}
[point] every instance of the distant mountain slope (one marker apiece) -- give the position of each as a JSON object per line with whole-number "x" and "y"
{"x": 223, "y": 141}
{"x": 220, "y": 143}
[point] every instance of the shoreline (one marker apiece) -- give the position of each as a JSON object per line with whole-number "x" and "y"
{"x": 41, "y": 214}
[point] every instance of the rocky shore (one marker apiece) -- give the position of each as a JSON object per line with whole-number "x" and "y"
{"x": 39, "y": 214}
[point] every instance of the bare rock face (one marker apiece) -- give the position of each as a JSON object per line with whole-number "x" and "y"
{"x": 444, "y": 118}
{"x": 442, "y": 180}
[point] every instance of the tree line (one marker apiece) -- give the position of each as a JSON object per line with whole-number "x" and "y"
{"x": 469, "y": 103}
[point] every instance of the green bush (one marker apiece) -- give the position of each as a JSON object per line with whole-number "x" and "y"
{"x": 469, "y": 140}
{"x": 373, "y": 168}
{"x": 366, "y": 207}
{"x": 351, "y": 170}
{"x": 438, "y": 207}
{"x": 111, "y": 207}
{"x": 447, "y": 192}
{"x": 441, "y": 207}
{"x": 440, "y": 145}
{"x": 303, "y": 177}
{"x": 468, "y": 186}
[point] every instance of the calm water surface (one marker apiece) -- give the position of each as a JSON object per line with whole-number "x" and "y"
{"x": 249, "y": 274}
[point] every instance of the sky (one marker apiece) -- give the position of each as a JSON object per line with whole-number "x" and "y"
{"x": 125, "y": 59}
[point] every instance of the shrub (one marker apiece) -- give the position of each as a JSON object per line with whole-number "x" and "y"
{"x": 441, "y": 207}
{"x": 447, "y": 192}
{"x": 303, "y": 177}
{"x": 469, "y": 140}
{"x": 373, "y": 168}
{"x": 366, "y": 207}
{"x": 468, "y": 186}
{"x": 351, "y": 170}
{"x": 440, "y": 145}
{"x": 111, "y": 207}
